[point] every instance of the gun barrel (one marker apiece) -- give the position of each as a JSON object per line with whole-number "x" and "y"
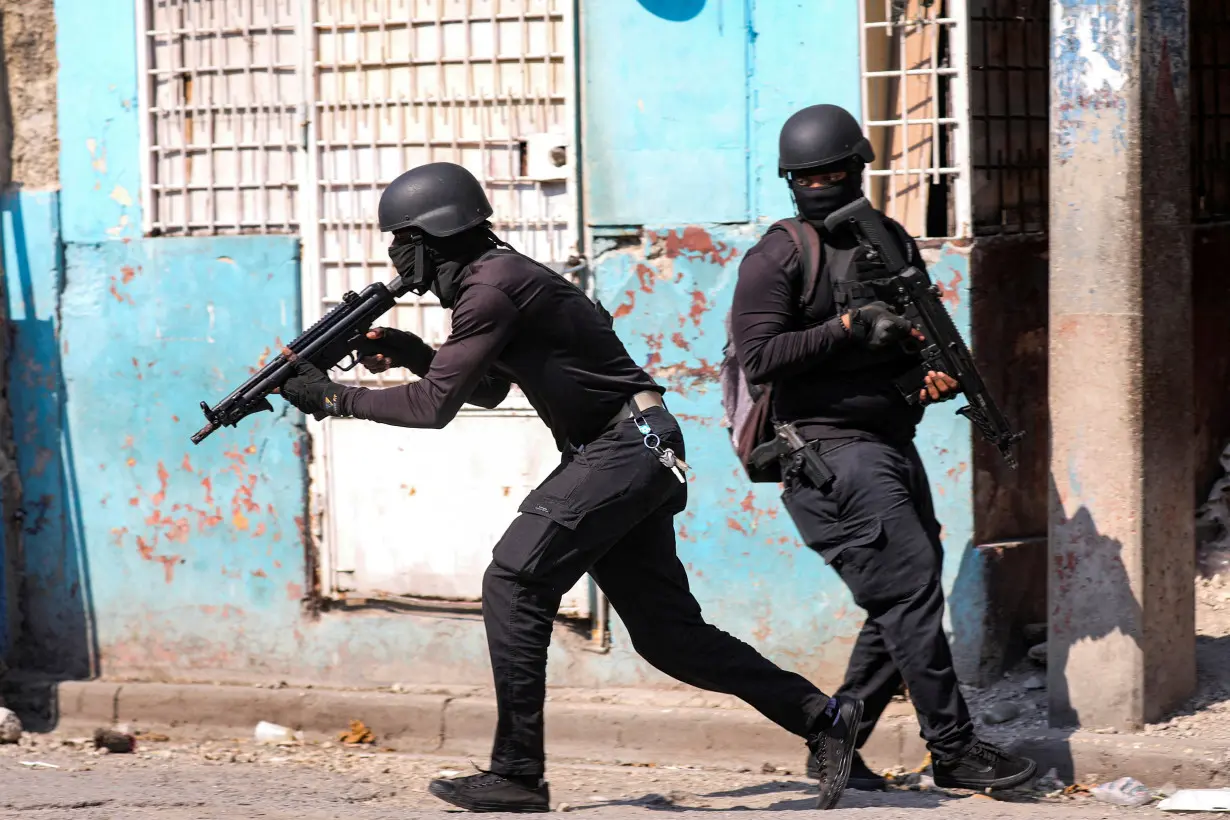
{"x": 323, "y": 344}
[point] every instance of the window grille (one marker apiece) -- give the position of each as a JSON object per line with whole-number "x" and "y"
{"x": 1009, "y": 114}
{"x": 398, "y": 83}
{"x": 221, "y": 124}
{"x": 914, "y": 110}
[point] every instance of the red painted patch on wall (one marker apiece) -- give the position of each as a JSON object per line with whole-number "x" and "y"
{"x": 700, "y": 305}
{"x": 646, "y": 276}
{"x": 694, "y": 242}
{"x": 950, "y": 293}
{"x": 163, "y": 477}
{"x": 626, "y": 308}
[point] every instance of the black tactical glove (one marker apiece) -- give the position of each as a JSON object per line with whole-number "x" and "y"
{"x": 311, "y": 391}
{"x": 876, "y": 326}
{"x": 386, "y": 347}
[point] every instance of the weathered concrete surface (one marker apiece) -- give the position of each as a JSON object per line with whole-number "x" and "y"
{"x": 1122, "y": 628}
{"x": 641, "y": 731}
{"x": 28, "y": 156}
{"x": 29, "y": 48}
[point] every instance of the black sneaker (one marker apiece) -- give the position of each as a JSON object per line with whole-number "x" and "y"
{"x": 982, "y": 766}
{"x": 488, "y": 791}
{"x": 833, "y": 747}
{"x": 862, "y": 778}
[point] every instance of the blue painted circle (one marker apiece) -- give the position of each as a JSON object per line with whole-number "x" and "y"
{"x": 674, "y": 10}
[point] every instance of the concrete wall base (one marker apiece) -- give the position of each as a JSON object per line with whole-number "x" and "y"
{"x": 462, "y": 724}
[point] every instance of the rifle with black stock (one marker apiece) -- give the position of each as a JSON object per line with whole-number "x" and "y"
{"x": 339, "y": 333}
{"x": 943, "y": 350}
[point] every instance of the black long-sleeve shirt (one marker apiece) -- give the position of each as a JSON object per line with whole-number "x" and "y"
{"x": 803, "y": 358}
{"x": 515, "y": 321}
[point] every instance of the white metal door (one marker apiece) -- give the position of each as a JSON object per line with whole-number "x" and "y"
{"x": 393, "y": 84}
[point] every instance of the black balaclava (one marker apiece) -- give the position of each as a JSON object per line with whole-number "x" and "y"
{"x": 439, "y": 263}
{"x": 816, "y": 204}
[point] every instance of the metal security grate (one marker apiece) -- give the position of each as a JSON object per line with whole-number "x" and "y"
{"x": 221, "y": 123}
{"x": 914, "y": 103}
{"x": 1009, "y": 82}
{"x": 1210, "y": 89}
{"x": 485, "y": 84}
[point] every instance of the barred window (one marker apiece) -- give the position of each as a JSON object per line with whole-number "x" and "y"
{"x": 914, "y": 102}
{"x": 221, "y": 122}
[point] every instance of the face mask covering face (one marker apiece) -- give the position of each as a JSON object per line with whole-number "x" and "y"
{"x": 819, "y": 193}
{"x": 411, "y": 264}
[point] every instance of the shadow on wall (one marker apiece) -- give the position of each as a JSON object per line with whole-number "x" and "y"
{"x": 1090, "y": 598}
{"x": 677, "y": 11}
{"x": 53, "y": 546}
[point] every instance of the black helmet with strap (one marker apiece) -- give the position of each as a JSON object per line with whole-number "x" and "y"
{"x": 440, "y": 199}
{"x": 821, "y": 135}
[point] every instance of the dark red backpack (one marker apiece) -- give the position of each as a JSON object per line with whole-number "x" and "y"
{"x": 747, "y": 407}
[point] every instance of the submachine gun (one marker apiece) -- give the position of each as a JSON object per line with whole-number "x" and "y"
{"x": 944, "y": 351}
{"x": 340, "y": 333}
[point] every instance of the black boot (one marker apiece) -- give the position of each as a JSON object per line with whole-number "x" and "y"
{"x": 488, "y": 791}
{"x": 862, "y": 778}
{"x": 832, "y": 745}
{"x": 982, "y": 766}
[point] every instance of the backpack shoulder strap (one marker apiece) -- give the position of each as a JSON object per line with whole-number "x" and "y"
{"x": 807, "y": 240}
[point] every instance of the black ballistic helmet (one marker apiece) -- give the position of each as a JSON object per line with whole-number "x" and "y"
{"x": 820, "y": 135}
{"x": 440, "y": 199}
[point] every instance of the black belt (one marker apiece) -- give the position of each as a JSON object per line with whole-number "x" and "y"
{"x": 636, "y": 405}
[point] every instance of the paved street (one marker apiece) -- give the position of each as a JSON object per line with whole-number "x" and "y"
{"x": 172, "y": 780}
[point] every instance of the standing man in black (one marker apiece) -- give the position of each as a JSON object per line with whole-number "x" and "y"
{"x": 831, "y": 364}
{"x": 607, "y": 509}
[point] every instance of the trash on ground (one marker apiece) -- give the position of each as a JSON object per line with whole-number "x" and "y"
{"x": 38, "y": 764}
{"x": 1035, "y": 682}
{"x": 358, "y": 733}
{"x": 1001, "y": 712}
{"x": 1126, "y": 791}
{"x": 1050, "y": 782}
{"x": 153, "y": 737}
{"x": 113, "y": 741}
{"x": 1197, "y": 800}
{"x": 273, "y": 733}
{"x": 10, "y": 726}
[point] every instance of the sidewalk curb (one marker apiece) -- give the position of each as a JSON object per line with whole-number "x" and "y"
{"x": 463, "y": 726}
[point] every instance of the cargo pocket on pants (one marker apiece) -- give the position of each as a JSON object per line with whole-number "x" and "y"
{"x": 816, "y": 518}
{"x": 539, "y": 537}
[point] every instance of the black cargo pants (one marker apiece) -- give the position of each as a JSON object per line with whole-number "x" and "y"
{"x": 876, "y": 527}
{"x": 608, "y": 509}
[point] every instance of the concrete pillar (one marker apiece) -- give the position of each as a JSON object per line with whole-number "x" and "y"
{"x": 1121, "y": 591}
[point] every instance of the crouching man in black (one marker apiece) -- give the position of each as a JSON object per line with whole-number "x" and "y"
{"x": 607, "y": 509}
{"x": 832, "y": 360}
